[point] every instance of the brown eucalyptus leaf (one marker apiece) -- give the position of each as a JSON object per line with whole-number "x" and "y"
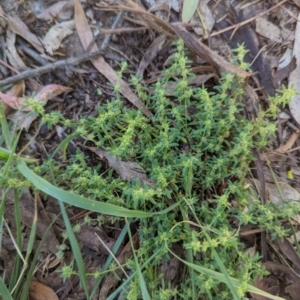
{"x": 49, "y": 91}
{"x": 86, "y": 37}
{"x": 22, "y": 120}
{"x": 12, "y": 54}
{"x": 12, "y": 101}
{"x": 21, "y": 29}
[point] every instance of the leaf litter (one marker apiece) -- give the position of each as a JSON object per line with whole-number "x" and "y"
{"x": 281, "y": 25}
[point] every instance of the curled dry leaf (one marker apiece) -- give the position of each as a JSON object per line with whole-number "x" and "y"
{"x": 104, "y": 68}
{"x": 50, "y": 91}
{"x": 56, "y": 34}
{"x": 39, "y": 291}
{"x": 285, "y": 59}
{"x": 21, "y": 29}
{"x": 62, "y": 10}
{"x": 12, "y": 54}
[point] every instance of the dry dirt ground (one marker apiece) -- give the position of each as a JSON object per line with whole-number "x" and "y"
{"x": 36, "y": 35}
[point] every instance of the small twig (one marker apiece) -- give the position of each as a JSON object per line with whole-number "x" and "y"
{"x": 51, "y": 67}
{"x": 63, "y": 63}
{"x": 37, "y": 57}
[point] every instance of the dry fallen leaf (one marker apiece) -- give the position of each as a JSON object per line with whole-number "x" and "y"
{"x": 61, "y": 10}
{"x": 16, "y": 90}
{"x": 23, "y": 119}
{"x": 12, "y": 101}
{"x": 104, "y": 68}
{"x": 293, "y": 138}
{"x": 21, "y": 29}
{"x": 56, "y": 34}
{"x": 282, "y": 281}
{"x": 87, "y": 237}
{"x": 39, "y": 291}
{"x": 127, "y": 170}
{"x": 150, "y": 54}
{"x": 12, "y": 54}
{"x": 46, "y": 93}
{"x": 287, "y": 192}
{"x": 288, "y": 251}
{"x": 268, "y": 29}
{"x": 207, "y": 19}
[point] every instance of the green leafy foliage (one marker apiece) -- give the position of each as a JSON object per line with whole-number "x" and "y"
{"x": 196, "y": 149}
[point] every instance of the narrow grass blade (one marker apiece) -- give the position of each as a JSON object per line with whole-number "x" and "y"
{"x": 4, "y": 294}
{"x": 226, "y": 276}
{"x": 143, "y": 285}
{"x": 64, "y": 144}
{"x": 188, "y": 9}
{"x": 4, "y": 128}
{"x": 123, "y": 286}
{"x": 114, "y": 250}
{"x": 221, "y": 277}
{"x": 82, "y": 202}
{"x": 75, "y": 249}
{"x": 33, "y": 263}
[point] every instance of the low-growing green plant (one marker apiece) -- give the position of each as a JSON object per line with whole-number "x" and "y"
{"x": 196, "y": 150}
